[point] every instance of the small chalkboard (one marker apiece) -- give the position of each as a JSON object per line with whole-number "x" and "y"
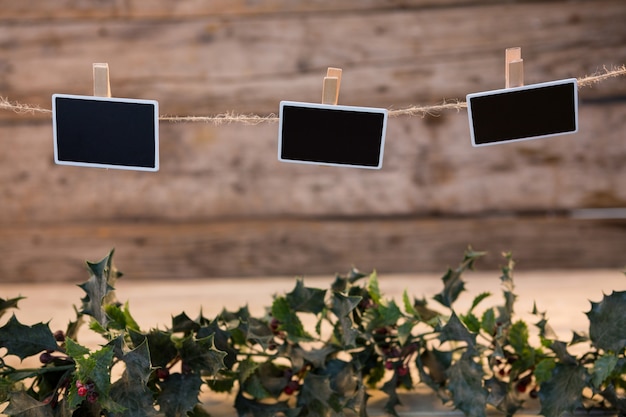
{"x": 327, "y": 134}
{"x": 103, "y": 132}
{"x": 522, "y": 113}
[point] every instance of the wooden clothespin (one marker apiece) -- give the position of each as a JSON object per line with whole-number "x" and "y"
{"x": 514, "y": 68}
{"x": 101, "y": 86}
{"x": 332, "y": 82}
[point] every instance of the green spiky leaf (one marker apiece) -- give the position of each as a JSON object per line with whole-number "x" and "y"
{"x": 98, "y": 289}
{"x": 306, "y": 300}
{"x": 453, "y": 286}
{"x": 466, "y": 386}
{"x": 316, "y": 395}
{"x": 23, "y": 405}
{"x": 289, "y": 322}
{"x": 602, "y": 368}
{"x": 24, "y": 341}
{"x": 179, "y": 394}
{"x": 563, "y": 391}
{"x": 94, "y": 367}
{"x": 607, "y": 322}
{"x": 131, "y": 391}
{"x": 202, "y": 355}
{"x": 454, "y": 329}
{"x": 8, "y": 303}
{"x": 221, "y": 339}
{"x": 373, "y": 288}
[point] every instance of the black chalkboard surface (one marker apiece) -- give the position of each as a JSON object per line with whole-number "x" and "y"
{"x": 326, "y": 134}
{"x": 104, "y": 132}
{"x": 522, "y": 113}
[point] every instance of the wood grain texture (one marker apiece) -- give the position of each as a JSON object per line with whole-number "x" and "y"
{"x": 304, "y": 247}
{"x": 164, "y": 9}
{"x": 391, "y": 58}
{"x": 232, "y": 171}
{"x": 221, "y": 190}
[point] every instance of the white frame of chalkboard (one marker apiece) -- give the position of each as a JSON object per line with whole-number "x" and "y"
{"x": 377, "y": 110}
{"x": 524, "y": 87}
{"x": 154, "y": 103}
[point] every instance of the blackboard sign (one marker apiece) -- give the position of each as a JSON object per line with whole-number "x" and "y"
{"x": 93, "y": 131}
{"x": 327, "y": 134}
{"x": 521, "y": 113}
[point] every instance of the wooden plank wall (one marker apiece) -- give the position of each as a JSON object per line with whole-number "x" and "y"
{"x": 222, "y": 205}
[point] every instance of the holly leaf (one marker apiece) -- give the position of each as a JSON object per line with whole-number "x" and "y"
{"x": 501, "y": 397}
{"x": 23, "y": 405}
{"x": 258, "y": 331}
{"x": 138, "y": 364}
{"x": 24, "y": 341}
{"x": 289, "y": 321}
{"x": 202, "y": 355}
{"x": 563, "y": 391}
{"x": 8, "y": 303}
{"x": 602, "y": 368}
{"x": 306, "y": 300}
{"x": 471, "y": 322}
{"x": 179, "y": 394}
{"x": 466, "y": 386}
{"x": 182, "y": 323}
{"x": 408, "y": 306}
{"x": 97, "y": 289}
{"x": 94, "y": 367}
{"x": 250, "y": 407}
{"x": 130, "y": 391}
{"x": 452, "y": 287}
{"x": 373, "y": 288}
{"x": 393, "y": 400}
{"x": 454, "y": 329}
{"x": 221, "y": 339}
{"x": 543, "y": 370}
{"x": 607, "y": 322}
{"x": 342, "y": 306}
{"x": 315, "y": 395}
{"x": 162, "y": 348}
{"x": 478, "y": 299}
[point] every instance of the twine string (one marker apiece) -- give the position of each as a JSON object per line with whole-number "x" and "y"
{"x": 254, "y": 119}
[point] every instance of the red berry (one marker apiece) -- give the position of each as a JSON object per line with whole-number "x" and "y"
{"x": 78, "y": 384}
{"x": 403, "y": 370}
{"x": 162, "y": 373}
{"x": 92, "y": 397}
{"x": 291, "y": 387}
{"x": 185, "y": 368}
{"x": 274, "y": 323}
{"x": 46, "y": 357}
{"x": 59, "y": 336}
{"x": 389, "y": 365}
{"x": 82, "y": 391}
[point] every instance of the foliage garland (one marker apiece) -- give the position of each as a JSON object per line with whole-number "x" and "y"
{"x": 360, "y": 341}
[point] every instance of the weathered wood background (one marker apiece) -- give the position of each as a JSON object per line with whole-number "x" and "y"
{"x": 222, "y": 205}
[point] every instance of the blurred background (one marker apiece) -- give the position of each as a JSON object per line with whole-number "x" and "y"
{"x": 222, "y": 205}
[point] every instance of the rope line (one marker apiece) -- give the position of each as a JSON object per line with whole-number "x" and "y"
{"x": 253, "y": 119}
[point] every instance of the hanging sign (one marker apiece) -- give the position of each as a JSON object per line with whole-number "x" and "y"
{"x": 104, "y": 132}
{"x": 330, "y": 134}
